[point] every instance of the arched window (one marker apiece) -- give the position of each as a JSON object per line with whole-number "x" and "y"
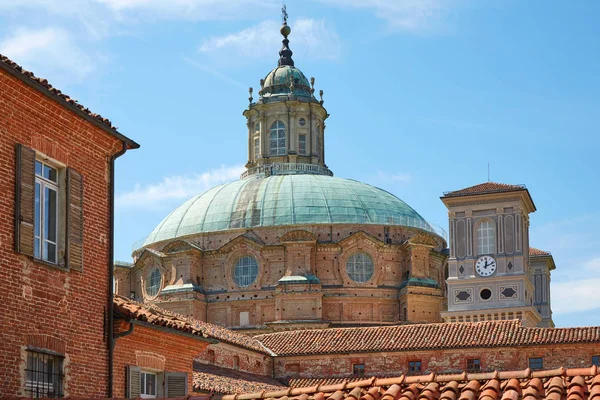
{"x": 360, "y": 267}
{"x": 245, "y": 271}
{"x": 486, "y": 238}
{"x": 153, "y": 284}
{"x": 277, "y": 145}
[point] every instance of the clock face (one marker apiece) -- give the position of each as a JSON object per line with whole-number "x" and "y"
{"x": 485, "y": 265}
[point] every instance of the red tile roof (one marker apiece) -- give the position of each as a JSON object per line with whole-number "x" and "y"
{"x": 571, "y": 384}
{"x": 483, "y": 188}
{"x": 421, "y": 337}
{"x": 43, "y": 85}
{"x": 212, "y": 379}
{"x": 157, "y": 316}
{"x": 537, "y": 252}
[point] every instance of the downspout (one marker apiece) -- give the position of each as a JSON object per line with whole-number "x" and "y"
{"x": 111, "y": 261}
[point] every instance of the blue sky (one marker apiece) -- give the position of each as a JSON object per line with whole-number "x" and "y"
{"x": 422, "y": 95}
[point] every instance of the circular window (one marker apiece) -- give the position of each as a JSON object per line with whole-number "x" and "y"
{"x": 360, "y": 267}
{"x": 485, "y": 294}
{"x": 153, "y": 284}
{"x": 302, "y": 121}
{"x": 245, "y": 271}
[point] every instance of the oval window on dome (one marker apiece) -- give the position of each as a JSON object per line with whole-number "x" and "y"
{"x": 245, "y": 271}
{"x": 360, "y": 267}
{"x": 302, "y": 121}
{"x": 153, "y": 284}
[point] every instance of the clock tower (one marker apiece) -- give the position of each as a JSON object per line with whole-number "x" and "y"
{"x": 488, "y": 267}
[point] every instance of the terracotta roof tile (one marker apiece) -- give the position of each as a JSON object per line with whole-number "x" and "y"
{"x": 157, "y": 316}
{"x": 537, "y": 252}
{"x": 484, "y": 188}
{"x": 44, "y": 85}
{"x": 421, "y": 337}
{"x": 213, "y": 379}
{"x": 561, "y": 384}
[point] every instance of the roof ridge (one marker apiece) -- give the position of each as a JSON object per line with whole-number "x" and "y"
{"x": 42, "y": 83}
{"x": 425, "y": 379}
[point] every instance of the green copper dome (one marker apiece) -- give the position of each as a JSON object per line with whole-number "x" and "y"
{"x": 282, "y": 79}
{"x": 286, "y": 200}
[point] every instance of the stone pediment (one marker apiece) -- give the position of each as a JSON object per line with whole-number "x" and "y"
{"x": 177, "y": 246}
{"x": 422, "y": 239}
{"x": 149, "y": 257}
{"x": 298, "y": 236}
{"x": 240, "y": 241}
{"x": 360, "y": 236}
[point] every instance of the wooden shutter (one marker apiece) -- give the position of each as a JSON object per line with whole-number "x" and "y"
{"x": 175, "y": 384}
{"x": 24, "y": 200}
{"x": 133, "y": 382}
{"x": 74, "y": 220}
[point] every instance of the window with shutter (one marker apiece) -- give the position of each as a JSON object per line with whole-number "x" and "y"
{"x": 74, "y": 220}
{"x": 175, "y": 384}
{"x": 24, "y": 204}
{"x": 48, "y": 210}
{"x": 133, "y": 382}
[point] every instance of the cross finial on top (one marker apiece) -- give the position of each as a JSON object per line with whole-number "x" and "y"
{"x": 284, "y": 14}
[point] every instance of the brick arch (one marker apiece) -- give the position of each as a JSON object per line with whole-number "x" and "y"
{"x": 149, "y": 360}
{"x": 47, "y": 342}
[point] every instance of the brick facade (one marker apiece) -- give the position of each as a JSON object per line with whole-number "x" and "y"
{"x": 437, "y": 361}
{"x": 49, "y": 307}
{"x": 223, "y": 355}
{"x": 156, "y": 350}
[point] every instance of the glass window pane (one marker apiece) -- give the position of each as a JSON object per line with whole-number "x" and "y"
{"x": 50, "y": 223}
{"x": 50, "y": 251}
{"x": 38, "y": 168}
{"x": 360, "y": 267}
{"x": 245, "y": 271}
{"x": 50, "y": 173}
{"x": 151, "y": 384}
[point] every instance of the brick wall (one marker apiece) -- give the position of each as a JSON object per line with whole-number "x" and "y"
{"x": 438, "y": 361}
{"x": 154, "y": 350}
{"x": 222, "y": 355}
{"x": 44, "y": 305}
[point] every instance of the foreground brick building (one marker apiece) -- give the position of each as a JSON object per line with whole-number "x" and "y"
{"x": 56, "y": 252}
{"x": 216, "y": 360}
{"x": 155, "y": 350}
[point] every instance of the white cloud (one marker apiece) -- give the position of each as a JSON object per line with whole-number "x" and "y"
{"x": 573, "y": 296}
{"x": 593, "y": 265}
{"x": 176, "y": 188}
{"x": 312, "y": 38}
{"x": 410, "y": 15}
{"x": 393, "y": 176}
{"x": 191, "y": 9}
{"x": 49, "y": 52}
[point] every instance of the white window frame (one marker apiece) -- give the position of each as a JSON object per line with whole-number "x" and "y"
{"x": 40, "y": 237}
{"x": 302, "y": 145}
{"x": 256, "y": 147}
{"x": 143, "y": 375}
{"x": 277, "y": 134}
{"x": 486, "y": 237}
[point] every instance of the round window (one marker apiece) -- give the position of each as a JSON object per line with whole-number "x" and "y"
{"x": 302, "y": 121}
{"x": 153, "y": 284}
{"x": 360, "y": 267}
{"x": 485, "y": 294}
{"x": 245, "y": 271}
